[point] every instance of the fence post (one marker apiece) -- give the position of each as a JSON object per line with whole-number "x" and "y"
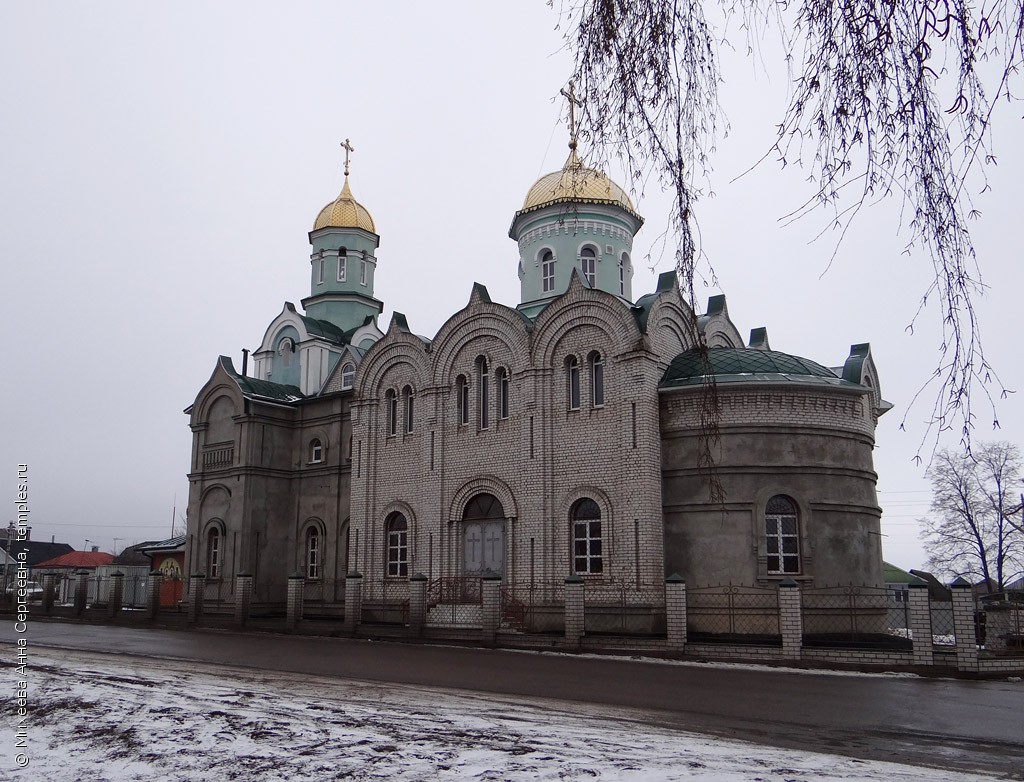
{"x": 49, "y": 588}
{"x": 491, "y": 606}
{"x": 353, "y": 601}
{"x": 81, "y": 591}
{"x": 920, "y": 622}
{"x": 116, "y": 594}
{"x": 196, "y": 591}
{"x": 156, "y": 580}
{"x": 675, "y": 611}
{"x": 243, "y": 597}
{"x": 417, "y": 603}
{"x": 296, "y": 592}
{"x": 574, "y": 617}
{"x": 963, "y": 626}
{"x": 791, "y": 624}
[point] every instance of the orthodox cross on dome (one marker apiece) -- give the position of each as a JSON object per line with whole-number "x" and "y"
{"x": 347, "y": 146}
{"x": 573, "y": 103}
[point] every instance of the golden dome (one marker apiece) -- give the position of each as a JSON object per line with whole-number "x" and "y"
{"x": 576, "y": 182}
{"x": 344, "y": 212}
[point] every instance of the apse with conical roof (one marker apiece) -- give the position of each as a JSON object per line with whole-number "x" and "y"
{"x": 343, "y": 261}
{"x": 574, "y": 218}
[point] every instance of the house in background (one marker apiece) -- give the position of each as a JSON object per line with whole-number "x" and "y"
{"x": 67, "y": 565}
{"x": 36, "y": 551}
{"x": 167, "y": 556}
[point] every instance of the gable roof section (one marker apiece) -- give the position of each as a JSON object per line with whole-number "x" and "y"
{"x": 78, "y": 559}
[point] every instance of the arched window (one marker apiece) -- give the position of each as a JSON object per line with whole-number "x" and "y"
{"x": 782, "y": 536}
{"x": 285, "y": 348}
{"x": 319, "y": 268}
{"x": 587, "y": 554}
{"x": 596, "y": 379}
{"x": 572, "y": 379}
{"x": 483, "y": 383}
{"x": 547, "y": 271}
{"x": 462, "y": 399}
{"x": 312, "y": 553}
{"x": 502, "y": 380}
{"x": 342, "y": 264}
{"x": 316, "y": 451}
{"x": 623, "y": 263}
{"x": 348, "y": 375}
{"x": 391, "y": 402}
{"x": 397, "y": 532}
{"x": 588, "y": 262}
{"x": 213, "y": 553}
{"x": 408, "y": 403}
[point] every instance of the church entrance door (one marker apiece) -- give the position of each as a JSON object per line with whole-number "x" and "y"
{"x": 483, "y": 536}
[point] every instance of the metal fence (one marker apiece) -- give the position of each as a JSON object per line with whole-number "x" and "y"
{"x": 385, "y": 601}
{"x": 1003, "y": 628}
{"x": 623, "y": 608}
{"x": 455, "y": 601}
{"x": 849, "y": 616}
{"x": 943, "y": 629}
{"x": 733, "y": 614}
{"x": 533, "y": 607}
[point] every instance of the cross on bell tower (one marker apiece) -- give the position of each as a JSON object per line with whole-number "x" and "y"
{"x": 347, "y": 146}
{"x": 573, "y": 103}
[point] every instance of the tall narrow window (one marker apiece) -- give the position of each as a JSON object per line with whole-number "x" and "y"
{"x": 596, "y": 380}
{"x": 588, "y": 261}
{"x": 483, "y": 383}
{"x": 462, "y": 400}
{"x": 348, "y": 376}
{"x": 547, "y": 271}
{"x": 285, "y": 348}
{"x": 391, "y": 399}
{"x": 362, "y": 272}
{"x": 342, "y": 264}
{"x": 213, "y": 553}
{"x": 312, "y": 553}
{"x": 782, "y": 536}
{"x": 409, "y": 404}
{"x": 587, "y": 554}
{"x": 501, "y": 376}
{"x": 316, "y": 451}
{"x": 320, "y": 269}
{"x": 572, "y": 377}
{"x": 397, "y": 531}
{"x": 623, "y": 262}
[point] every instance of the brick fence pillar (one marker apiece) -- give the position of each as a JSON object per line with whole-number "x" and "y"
{"x": 153, "y": 586}
{"x": 791, "y": 624}
{"x": 296, "y": 592}
{"x": 491, "y": 609}
{"x": 675, "y": 612}
{"x": 574, "y": 617}
{"x": 49, "y": 590}
{"x": 417, "y": 603}
{"x": 81, "y": 591}
{"x": 196, "y": 592}
{"x": 920, "y": 622}
{"x": 963, "y": 626}
{"x": 243, "y": 597}
{"x": 353, "y": 601}
{"x": 116, "y": 596}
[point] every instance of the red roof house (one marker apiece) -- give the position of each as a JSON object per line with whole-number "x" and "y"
{"x": 77, "y": 560}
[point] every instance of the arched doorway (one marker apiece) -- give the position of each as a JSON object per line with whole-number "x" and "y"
{"x": 483, "y": 536}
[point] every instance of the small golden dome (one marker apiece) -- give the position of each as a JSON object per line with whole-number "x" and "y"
{"x": 576, "y": 182}
{"x": 344, "y": 212}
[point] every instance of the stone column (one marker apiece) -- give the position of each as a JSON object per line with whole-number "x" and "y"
{"x": 920, "y": 621}
{"x": 49, "y": 588}
{"x": 156, "y": 580}
{"x": 417, "y": 603}
{"x": 116, "y": 594}
{"x": 574, "y": 617}
{"x": 791, "y": 620}
{"x": 963, "y": 626}
{"x": 675, "y": 612}
{"x": 81, "y": 591}
{"x": 196, "y": 592}
{"x": 243, "y": 597}
{"x": 491, "y": 609}
{"x": 296, "y": 593}
{"x": 353, "y": 601}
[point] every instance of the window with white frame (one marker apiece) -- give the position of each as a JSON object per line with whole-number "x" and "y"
{"x": 483, "y": 384}
{"x": 316, "y": 451}
{"x": 409, "y": 402}
{"x": 213, "y": 553}
{"x": 547, "y": 271}
{"x": 362, "y": 272}
{"x": 623, "y": 263}
{"x": 285, "y": 348}
{"x": 588, "y": 262}
{"x": 502, "y": 380}
{"x": 342, "y": 264}
{"x": 348, "y": 375}
{"x": 572, "y": 381}
{"x": 782, "y": 536}
{"x": 312, "y": 553}
{"x": 587, "y": 553}
{"x": 462, "y": 400}
{"x": 596, "y": 379}
{"x": 391, "y": 403}
{"x": 320, "y": 269}
{"x": 397, "y": 532}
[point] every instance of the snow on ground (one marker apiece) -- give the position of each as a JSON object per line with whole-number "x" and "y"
{"x": 110, "y": 718}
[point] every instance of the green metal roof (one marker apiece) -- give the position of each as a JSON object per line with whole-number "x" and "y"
{"x": 262, "y": 389}
{"x": 744, "y": 365}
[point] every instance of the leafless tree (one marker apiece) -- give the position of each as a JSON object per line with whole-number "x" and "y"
{"x": 970, "y": 531}
{"x": 889, "y": 98}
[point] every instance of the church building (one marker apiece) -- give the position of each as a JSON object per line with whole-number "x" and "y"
{"x": 565, "y": 434}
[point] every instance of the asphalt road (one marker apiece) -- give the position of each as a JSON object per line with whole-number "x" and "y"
{"x": 967, "y": 725}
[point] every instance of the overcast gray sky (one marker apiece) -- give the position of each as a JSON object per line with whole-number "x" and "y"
{"x": 162, "y": 164}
